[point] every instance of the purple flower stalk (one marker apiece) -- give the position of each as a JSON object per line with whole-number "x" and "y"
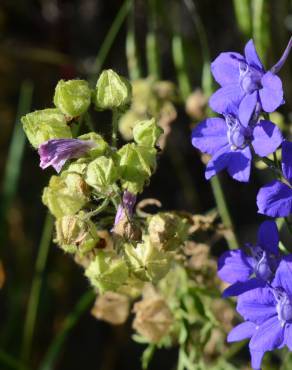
{"x": 268, "y": 315}
{"x": 227, "y": 141}
{"x": 245, "y": 82}
{"x": 275, "y": 198}
{"x": 254, "y": 267}
{"x": 56, "y": 152}
{"x": 126, "y": 208}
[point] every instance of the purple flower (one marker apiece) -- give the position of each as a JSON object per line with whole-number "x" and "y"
{"x": 227, "y": 141}
{"x": 268, "y": 315}
{"x": 125, "y": 209}
{"x": 245, "y": 82}
{"x": 57, "y": 151}
{"x": 253, "y": 267}
{"x": 275, "y": 198}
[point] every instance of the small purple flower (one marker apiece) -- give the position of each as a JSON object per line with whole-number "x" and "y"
{"x": 253, "y": 267}
{"x": 126, "y": 208}
{"x": 227, "y": 141}
{"x": 268, "y": 315}
{"x": 245, "y": 82}
{"x": 57, "y": 151}
{"x": 275, "y": 198}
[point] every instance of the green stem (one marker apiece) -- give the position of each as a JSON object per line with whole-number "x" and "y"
{"x": 152, "y": 48}
{"x": 15, "y": 154}
{"x": 98, "y": 210}
{"x": 134, "y": 68}
{"x": 224, "y": 211}
{"x": 109, "y": 39}
{"x": 34, "y": 298}
{"x": 242, "y": 10}
{"x": 71, "y": 320}
{"x": 115, "y": 127}
{"x": 178, "y": 55}
{"x": 207, "y": 86}
{"x": 10, "y": 362}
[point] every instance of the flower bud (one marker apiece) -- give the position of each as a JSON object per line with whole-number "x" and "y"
{"x": 147, "y": 132}
{"x": 107, "y": 271}
{"x": 101, "y": 145}
{"x": 153, "y": 318}
{"x": 44, "y": 125}
{"x": 112, "y": 91}
{"x": 65, "y": 195}
{"x": 72, "y": 97}
{"x": 136, "y": 164}
{"x": 74, "y": 234}
{"x": 147, "y": 262}
{"x": 167, "y": 231}
{"x": 101, "y": 173}
{"x": 111, "y": 307}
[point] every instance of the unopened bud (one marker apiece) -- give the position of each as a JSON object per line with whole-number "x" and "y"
{"x": 72, "y": 97}
{"x": 112, "y": 91}
{"x": 44, "y": 125}
{"x": 111, "y": 307}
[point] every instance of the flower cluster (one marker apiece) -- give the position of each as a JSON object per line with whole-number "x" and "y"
{"x": 261, "y": 277}
{"x": 258, "y": 274}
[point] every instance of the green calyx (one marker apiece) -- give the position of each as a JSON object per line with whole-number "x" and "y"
{"x": 75, "y": 234}
{"x": 101, "y": 173}
{"x": 107, "y": 271}
{"x": 112, "y": 91}
{"x": 147, "y": 132}
{"x": 43, "y": 125}
{"x": 146, "y": 262}
{"x": 136, "y": 165}
{"x": 65, "y": 194}
{"x": 72, "y": 97}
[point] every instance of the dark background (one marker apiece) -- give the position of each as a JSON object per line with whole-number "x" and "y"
{"x": 44, "y": 41}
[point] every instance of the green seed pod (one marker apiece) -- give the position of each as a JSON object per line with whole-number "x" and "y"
{"x": 43, "y": 125}
{"x": 101, "y": 173}
{"x": 147, "y": 133}
{"x": 112, "y": 91}
{"x": 136, "y": 164}
{"x": 107, "y": 271}
{"x": 65, "y": 195}
{"x": 147, "y": 262}
{"x": 75, "y": 234}
{"x": 167, "y": 231}
{"x": 72, "y": 97}
{"x": 101, "y": 145}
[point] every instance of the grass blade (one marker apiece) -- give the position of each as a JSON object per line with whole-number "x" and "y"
{"x": 34, "y": 298}
{"x": 15, "y": 154}
{"x": 71, "y": 320}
